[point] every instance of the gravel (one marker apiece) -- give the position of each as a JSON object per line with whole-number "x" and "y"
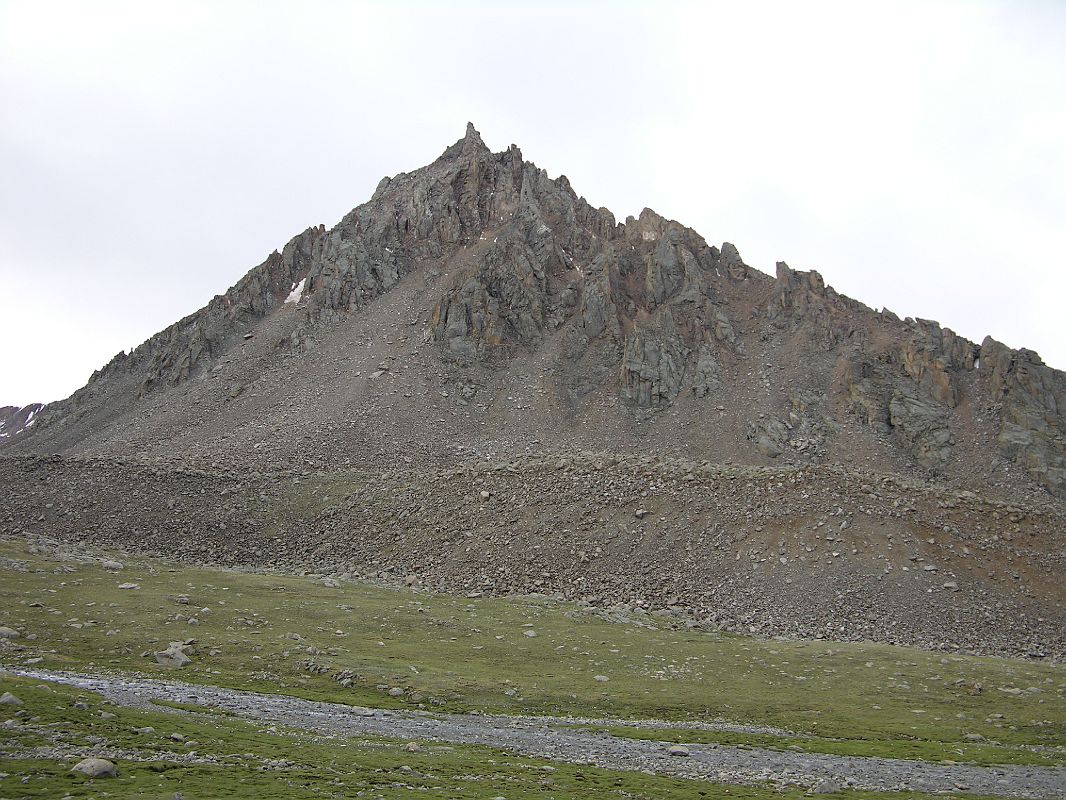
{"x": 551, "y": 738}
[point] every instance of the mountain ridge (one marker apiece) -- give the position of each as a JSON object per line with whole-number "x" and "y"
{"x": 641, "y": 319}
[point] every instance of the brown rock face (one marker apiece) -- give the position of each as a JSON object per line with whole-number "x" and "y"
{"x": 477, "y": 302}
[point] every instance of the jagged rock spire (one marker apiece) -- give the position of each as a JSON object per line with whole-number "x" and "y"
{"x": 472, "y": 141}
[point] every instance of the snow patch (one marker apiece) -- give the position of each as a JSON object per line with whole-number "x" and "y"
{"x": 297, "y": 292}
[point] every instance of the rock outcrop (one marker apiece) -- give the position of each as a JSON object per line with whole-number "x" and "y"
{"x": 1033, "y": 418}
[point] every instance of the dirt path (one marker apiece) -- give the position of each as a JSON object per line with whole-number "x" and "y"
{"x": 552, "y": 738}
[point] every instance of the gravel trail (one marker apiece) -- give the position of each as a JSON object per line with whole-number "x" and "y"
{"x": 557, "y": 739}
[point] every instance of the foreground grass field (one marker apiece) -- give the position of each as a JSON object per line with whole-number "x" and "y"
{"x": 244, "y": 761}
{"x": 385, "y": 647}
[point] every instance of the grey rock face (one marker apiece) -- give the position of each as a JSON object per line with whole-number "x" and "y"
{"x": 1033, "y": 398}
{"x": 892, "y": 404}
{"x": 934, "y": 357}
{"x": 804, "y": 430}
{"x": 707, "y": 379}
{"x": 923, "y": 426}
{"x": 653, "y": 363}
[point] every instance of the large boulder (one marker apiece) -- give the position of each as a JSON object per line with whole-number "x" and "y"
{"x": 96, "y": 768}
{"x": 173, "y": 656}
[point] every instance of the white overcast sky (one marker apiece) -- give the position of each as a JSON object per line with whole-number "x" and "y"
{"x": 151, "y": 153}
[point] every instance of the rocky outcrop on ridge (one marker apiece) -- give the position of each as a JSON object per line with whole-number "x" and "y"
{"x": 478, "y": 281}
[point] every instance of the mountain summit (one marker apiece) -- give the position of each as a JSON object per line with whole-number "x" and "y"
{"x": 476, "y": 307}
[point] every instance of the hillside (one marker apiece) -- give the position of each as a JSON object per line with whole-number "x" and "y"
{"x": 477, "y": 381}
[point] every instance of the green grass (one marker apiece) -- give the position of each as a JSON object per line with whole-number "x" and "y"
{"x": 251, "y": 762}
{"x": 459, "y": 654}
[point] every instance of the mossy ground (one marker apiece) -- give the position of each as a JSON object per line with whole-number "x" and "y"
{"x": 460, "y": 654}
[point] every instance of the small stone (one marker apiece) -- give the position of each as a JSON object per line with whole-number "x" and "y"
{"x": 600, "y": 678}
{"x": 8, "y": 633}
{"x": 129, "y": 586}
{"x": 182, "y": 600}
{"x": 677, "y": 750}
{"x": 8, "y": 699}
{"x": 413, "y": 747}
{"x": 530, "y": 634}
{"x": 396, "y": 691}
{"x": 96, "y": 768}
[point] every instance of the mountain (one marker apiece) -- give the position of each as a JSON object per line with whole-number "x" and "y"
{"x": 16, "y": 419}
{"x": 478, "y": 381}
{"x": 477, "y": 302}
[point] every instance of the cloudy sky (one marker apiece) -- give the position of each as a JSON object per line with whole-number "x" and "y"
{"x": 151, "y": 153}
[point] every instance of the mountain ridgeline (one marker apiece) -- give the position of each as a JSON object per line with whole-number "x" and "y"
{"x": 477, "y": 307}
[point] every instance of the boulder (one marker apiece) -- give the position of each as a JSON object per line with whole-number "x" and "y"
{"x": 173, "y": 656}
{"x": 96, "y": 768}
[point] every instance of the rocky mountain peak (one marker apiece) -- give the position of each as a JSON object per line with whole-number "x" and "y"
{"x": 472, "y": 139}
{"x": 481, "y": 278}
{"x": 470, "y": 147}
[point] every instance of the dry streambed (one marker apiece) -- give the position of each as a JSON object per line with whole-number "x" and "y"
{"x": 561, "y": 740}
